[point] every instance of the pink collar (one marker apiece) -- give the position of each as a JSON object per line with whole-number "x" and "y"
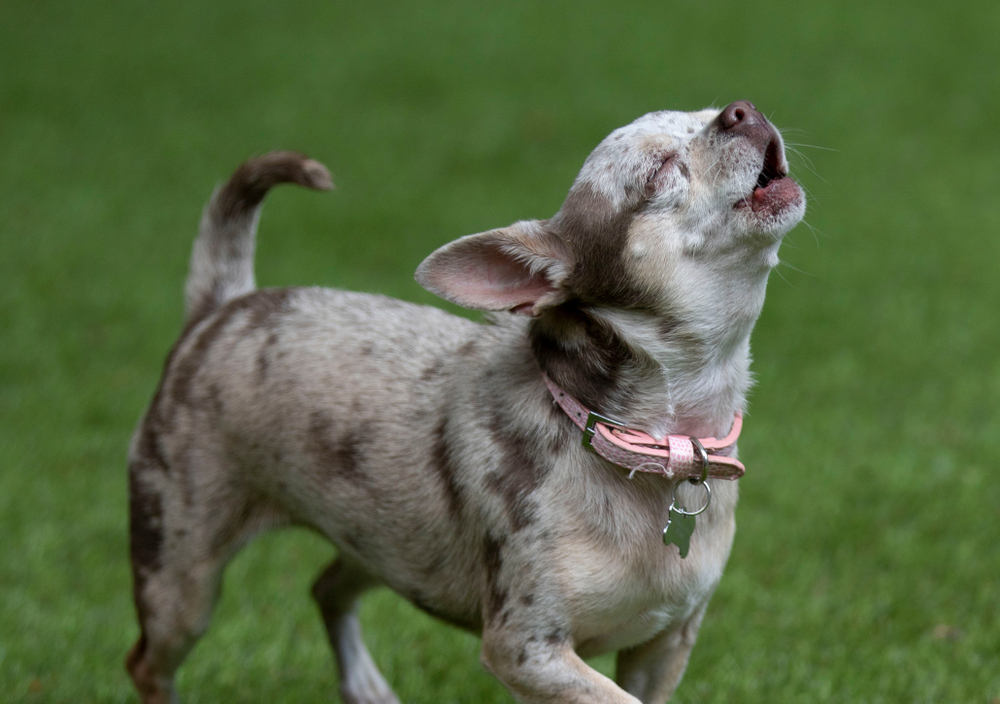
{"x": 681, "y": 457}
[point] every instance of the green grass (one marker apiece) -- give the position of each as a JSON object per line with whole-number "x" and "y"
{"x": 866, "y": 566}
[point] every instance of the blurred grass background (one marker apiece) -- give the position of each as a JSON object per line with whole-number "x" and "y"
{"x": 866, "y": 563}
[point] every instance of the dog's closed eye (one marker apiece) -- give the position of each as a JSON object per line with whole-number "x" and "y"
{"x": 661, "y": 171}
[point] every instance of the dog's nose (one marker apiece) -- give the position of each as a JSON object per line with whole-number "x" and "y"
{"x": 743, "y": 119}
{"x": 739, "y": 117}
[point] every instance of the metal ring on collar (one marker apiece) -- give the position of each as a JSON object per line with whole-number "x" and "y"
{"x": 703, "y": 454}
{"x": 685, "y": 512}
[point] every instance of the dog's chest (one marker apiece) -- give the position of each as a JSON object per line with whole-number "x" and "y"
{"x": 621, "y": 598}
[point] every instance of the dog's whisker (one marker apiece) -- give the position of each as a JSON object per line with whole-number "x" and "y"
{"x": 777, "y": 270}
{"x": 815, "y": 232}
{"x": 812, "y": 146}
{"x": 718, "y": 172}
{"x": 807, "y": 165}
{"x": 795, "y": 269}
{"x": 806, "y": 160}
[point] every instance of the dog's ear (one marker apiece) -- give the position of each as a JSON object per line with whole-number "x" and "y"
{"x": 520, "y": 268}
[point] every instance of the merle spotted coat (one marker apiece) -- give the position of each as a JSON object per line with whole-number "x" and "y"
{"x": 427, "y": 447}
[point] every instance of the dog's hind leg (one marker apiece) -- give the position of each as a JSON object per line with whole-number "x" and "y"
{"x": 174, "y": 610}
{"x": 180, "y": 545}
{"x": 337, "y": 591}
{"x": 176, "y": 584}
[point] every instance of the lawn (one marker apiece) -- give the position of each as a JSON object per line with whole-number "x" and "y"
{"x": 866, "y": 566}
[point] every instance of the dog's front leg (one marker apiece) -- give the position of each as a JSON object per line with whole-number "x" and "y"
{"x": 546, "y": 670}
{"x": 651, "y": 671}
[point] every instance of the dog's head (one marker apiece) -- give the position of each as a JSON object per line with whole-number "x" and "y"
{"x": 644, "y": 287}
{"x": 670, "y": 189}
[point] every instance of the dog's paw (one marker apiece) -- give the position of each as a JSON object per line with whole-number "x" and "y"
{"x": 366, "y": 687}
{"x": 381, "y": 697}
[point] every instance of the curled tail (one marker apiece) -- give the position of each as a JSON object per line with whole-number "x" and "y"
{"x": 222, "y": 260}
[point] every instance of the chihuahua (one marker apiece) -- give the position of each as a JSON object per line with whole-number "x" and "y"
{"x": 444, "y": 457}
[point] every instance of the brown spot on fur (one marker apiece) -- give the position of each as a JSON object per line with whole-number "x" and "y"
{"x": 262, "y": 307}
{"x": 266, "y": 306}
{"x": 339, "y": 453}
{"x": 578, "y": 350}
{"x": 562, "y": 433}
{"x": 667, "y": 325}
{"x": 252, "y": 180}
{"x": 522, "y": 657}
{"x": 145, "y": 528}
{"x": 155, "y": 422}
{"x": 516, "y": 478}
{"x": 443, "y": 465}
{"x": 528, "y": 599}
{"x": 496, "y": 595}
{"x": 526, "y": 457}
{"x": 431, "y": 371}
{"x": 555, "y": 637}
{"x": 598, "y": 233}
{"x": 587, "y": 358}
{"x": 263, "y": 356}
{"x": 149, "y": 438}
{"x": 215, "y": 399}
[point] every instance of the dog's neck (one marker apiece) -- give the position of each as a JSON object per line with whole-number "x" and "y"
{"x": 682, "y": 372}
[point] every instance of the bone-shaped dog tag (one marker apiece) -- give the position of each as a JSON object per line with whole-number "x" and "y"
{"x": 679, "y": 528}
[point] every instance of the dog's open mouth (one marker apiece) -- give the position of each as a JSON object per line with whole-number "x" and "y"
{"x": 773, "y": 190}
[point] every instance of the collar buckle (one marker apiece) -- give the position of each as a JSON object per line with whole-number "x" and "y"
{"x": 589, "y": 430}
